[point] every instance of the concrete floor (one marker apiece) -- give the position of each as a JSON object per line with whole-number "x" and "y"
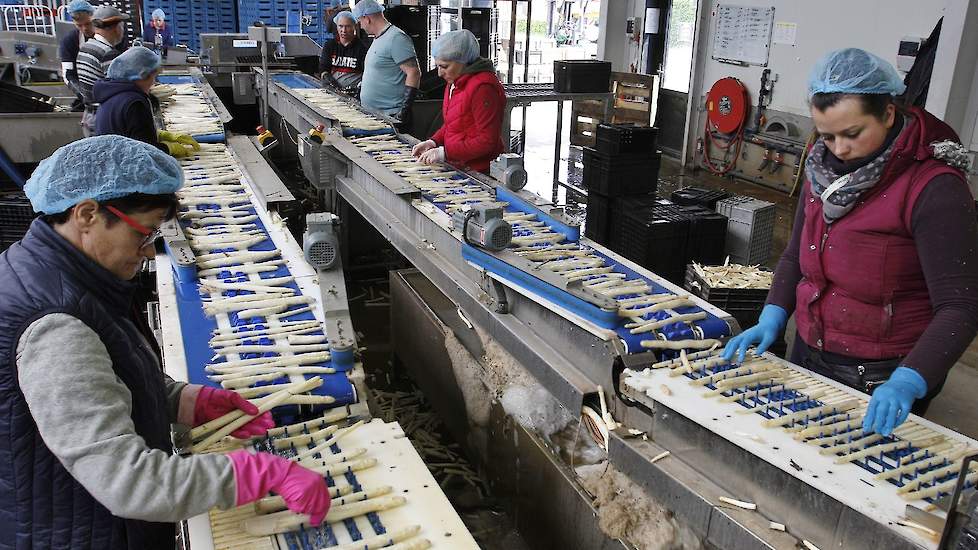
{"x": 956, "y": 407}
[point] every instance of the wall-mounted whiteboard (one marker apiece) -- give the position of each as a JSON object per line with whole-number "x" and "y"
{"x": 743, "y": 34}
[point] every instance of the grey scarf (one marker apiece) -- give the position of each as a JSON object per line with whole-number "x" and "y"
{"x": 839, "y": 194}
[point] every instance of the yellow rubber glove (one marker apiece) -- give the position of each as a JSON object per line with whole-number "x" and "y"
{"x": 177, "y": 150}
{"x": 187, "y": 140}
{"x": 163, "y": 135}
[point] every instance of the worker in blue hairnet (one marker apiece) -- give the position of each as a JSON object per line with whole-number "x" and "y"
{"x": 157, "y": 34}
{"x": 883, "y": 299}
{"x": 472, "y": 108}
{"x": 87, "y": 410}
{"x": 391, "y": 74}
{"x": 341, "y": 61}
{"x": 124, "y": 103}
{"x": 80, "y": 12}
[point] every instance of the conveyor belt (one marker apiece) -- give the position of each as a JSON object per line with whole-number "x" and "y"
{"x": 452, "y": 183}
{"x": 383, "y": 464}
{"x": 195, "y": 82}
{"x": 569, "y": 354}
{"x": 809, "y": 428}
{"x": 196, "y": 329}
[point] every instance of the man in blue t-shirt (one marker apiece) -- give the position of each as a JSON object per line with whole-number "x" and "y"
{"x": 391, "y": 73}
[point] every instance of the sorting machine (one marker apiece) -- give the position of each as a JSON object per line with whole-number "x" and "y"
{"x": 581, "y": 318}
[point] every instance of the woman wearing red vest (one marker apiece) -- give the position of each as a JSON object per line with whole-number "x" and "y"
{"x": 882, "y": 267}
{"x": 473, "y": 106}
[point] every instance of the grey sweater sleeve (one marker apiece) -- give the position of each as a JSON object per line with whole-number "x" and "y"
{"x": 83, "y": 414}
{"x": 173, "y": 391}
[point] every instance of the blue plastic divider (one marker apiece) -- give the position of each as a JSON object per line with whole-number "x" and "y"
{"x": 293, "y": 80}
{"x": 304, "y": 16}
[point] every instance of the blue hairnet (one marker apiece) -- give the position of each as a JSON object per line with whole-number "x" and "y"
{"x": 366, "y": 7}
{"x": 158, "y": 14}
{"x": 460, "y": 46}
{"x": 347, "y": 13}
{"x": 135, "y": 63}
{"x": 80, "y": 6}
{"x": 854, "y": 71}
{"x": 101, "y": 168}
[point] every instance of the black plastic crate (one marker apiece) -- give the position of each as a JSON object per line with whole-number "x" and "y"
{"x": 707, "y": 234}
{"x": 615, "y": 139}
{"x": 699, "y": 196}
{"x": 598, "y": 215}
{"x": 604, "y": 214}
{"x": 744, "y": 304}
{"x": 16, "y": 216}
{"x": 657, "y": 239}
{"x": 582, "y": 76}
{"x": 621, "y": 175}
{"x": 14, "y": 99}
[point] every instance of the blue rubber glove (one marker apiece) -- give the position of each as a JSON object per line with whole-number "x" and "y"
{"x": 891, "y": 402}
{"x": 771, "y": 323}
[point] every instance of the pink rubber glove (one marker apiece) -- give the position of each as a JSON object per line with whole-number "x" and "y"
{"x": 214, "y": 403}
{"x": 304, "y": 491}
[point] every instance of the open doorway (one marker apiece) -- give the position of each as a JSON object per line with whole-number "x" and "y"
{"x": 674, "y": 91}
{"x": 558, "y": 30}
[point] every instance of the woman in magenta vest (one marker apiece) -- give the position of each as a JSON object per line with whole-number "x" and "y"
{"x": 882, "y": 270}
{"x": 473, "y": 106}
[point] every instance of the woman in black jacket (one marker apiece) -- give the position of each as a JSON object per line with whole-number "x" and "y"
{"x": 124, "y": 103}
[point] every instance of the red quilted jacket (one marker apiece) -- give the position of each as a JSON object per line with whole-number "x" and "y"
{"x": 473, "y": 112}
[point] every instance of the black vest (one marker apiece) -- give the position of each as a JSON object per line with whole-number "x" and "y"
{"x": 41, "y": 505}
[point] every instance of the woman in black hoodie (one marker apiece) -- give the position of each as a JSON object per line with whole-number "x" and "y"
{"x": 124, "y": 103}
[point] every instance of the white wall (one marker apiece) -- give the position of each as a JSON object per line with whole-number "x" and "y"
{"x": 613, "y": 44}
{"x": 873, "y": 25}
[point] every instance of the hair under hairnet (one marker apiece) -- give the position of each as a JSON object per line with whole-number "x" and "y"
{"x": 80, "y": 6}
{"x": 366, "y": 7}
{"x": 460, "y": 46}
{"x": 854, "y": 71}
{"x": 135, "y": 63}
{"x": 158, "y": 14}
{"x": 346, "y": 13}
{"x": 101, "y": 168}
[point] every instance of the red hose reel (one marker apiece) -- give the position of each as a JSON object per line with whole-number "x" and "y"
{"x": 727, "y": 107}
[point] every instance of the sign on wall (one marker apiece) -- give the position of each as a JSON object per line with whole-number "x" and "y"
{"x": 743, "y": 34}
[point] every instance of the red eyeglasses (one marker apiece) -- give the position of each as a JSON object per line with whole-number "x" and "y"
{"x": 150, "y": 235}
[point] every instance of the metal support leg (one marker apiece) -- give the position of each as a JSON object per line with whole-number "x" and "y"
{"x": 560, "y": 135}
{"x": 497, "y": 294}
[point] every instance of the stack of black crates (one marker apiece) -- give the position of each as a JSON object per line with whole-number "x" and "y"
{"x": 621, "y": 174}
{"x": 664, "y": 237}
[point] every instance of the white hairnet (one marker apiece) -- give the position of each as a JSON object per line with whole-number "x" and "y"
{"x": 460, "y": 46}
{"x": 134, "y": 64}
{"x": 347, "y": 14}
{"x": 158, "y": 14}
{"x": 854, "y": 71}
{"x": 366, "y": 7}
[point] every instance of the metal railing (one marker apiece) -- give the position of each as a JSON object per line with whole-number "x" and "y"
{"x": 35, "y": 17}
